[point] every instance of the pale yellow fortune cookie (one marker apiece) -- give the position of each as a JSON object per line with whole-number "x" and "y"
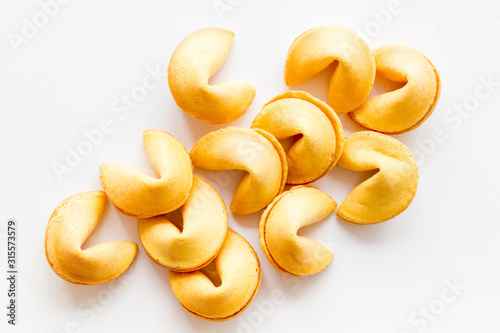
{"x": 70, "y": 225}
{"x": 315, "y": 130}
{"x": 223, "y": 289}
{"x": 140, "y": 195}
{"x": 290, "y": 211}
{"x": 318, "y": 48}
{"x": 387, "y": 193}
{"x": 251, "y": 150}
{"x": 194, "y": 61}
{"x": 192, "y": 243}
{"x": 404, "y": 109}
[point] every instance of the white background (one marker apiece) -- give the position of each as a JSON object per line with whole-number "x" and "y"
{"x": 66, "y": 78}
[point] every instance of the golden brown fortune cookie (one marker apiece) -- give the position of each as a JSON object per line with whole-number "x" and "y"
{"x": 318, "y": 48}
{"x": 223, "y": 289}
{"x": 140, "y": 195}
{"x": 70, "y": 225}
{"x": 404, "y": 109}
{"x": 192, "y": 243}
{"x": 252, "y": 150}
{"x": 290, "y": 211}
{"x": 387, "y": 193}
{"x": 194, "y": 61}
{"x": 315, "y": 130}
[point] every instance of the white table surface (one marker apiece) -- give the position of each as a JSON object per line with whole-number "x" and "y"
{"x": 439, "y": 257}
